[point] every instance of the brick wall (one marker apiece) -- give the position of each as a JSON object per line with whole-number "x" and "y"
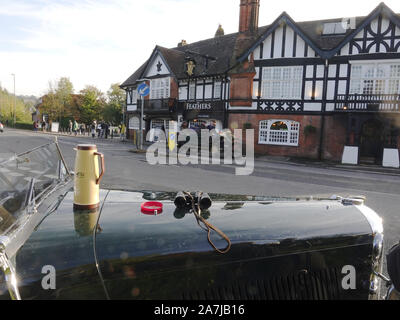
{"x": 174, "y": 89}
{"x": 333, "y": 142}
{"x": 335, "y": 137}
{"x": 308, "y": 144}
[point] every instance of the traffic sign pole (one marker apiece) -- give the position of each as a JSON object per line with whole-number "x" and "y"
{"x": 141, "y": 122}
{"x": 143, "y": 91}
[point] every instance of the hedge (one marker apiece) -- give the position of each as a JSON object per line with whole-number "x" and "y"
{"x": 24, "y": 125}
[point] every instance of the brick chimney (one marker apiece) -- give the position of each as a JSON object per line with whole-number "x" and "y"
{"x": 249, "y": 13}
{"x": 242, "y": 74}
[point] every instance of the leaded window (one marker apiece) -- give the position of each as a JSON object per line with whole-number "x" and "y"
{"x": 279, "y": 132}
{"x": 217, "y": 90}
{"x": 134, "y": 123}
{"x": 282, "y": 82}
{"x": 375, "y": 78}
{"x": 160, "y": 88}
{"x": 192, "y": 91}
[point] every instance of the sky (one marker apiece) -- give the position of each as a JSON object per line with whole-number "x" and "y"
{"x": 101, "y": 42}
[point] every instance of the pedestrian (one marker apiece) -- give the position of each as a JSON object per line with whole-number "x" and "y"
{"x": 82, "y": 128}
{"x": 122, "y": 134}
{"x": 75, "y": 127}
{"x": 211, "y": 126}
{"x": 93, "y": 129}
{"x": 44, "y": 126}
{"x": 103, "y": 128}
{"x": 106, "y": 129}
{"x": 70, "y": 125}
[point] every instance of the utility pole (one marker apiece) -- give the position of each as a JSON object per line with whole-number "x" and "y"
{"x": 15, "y": 103}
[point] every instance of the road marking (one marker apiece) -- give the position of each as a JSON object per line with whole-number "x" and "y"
{"x": 15, "y": 174}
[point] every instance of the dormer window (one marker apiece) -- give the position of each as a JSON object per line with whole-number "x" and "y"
{"x": 334, "y": 28}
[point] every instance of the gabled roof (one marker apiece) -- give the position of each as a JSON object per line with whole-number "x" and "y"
{"x": 283, "y": 18}
{"x": 224, "y": 52}
{"x": 381, "y": 9}
{"x": 311, "y": 31}
{"x": 172, "y": 59}
{"x": 212, "y": 56}
{"x": 219, "y": 51}
{"x": 131, "y": 81}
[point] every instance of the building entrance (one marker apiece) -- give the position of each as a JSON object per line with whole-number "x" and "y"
{"x": 371, "y": 142}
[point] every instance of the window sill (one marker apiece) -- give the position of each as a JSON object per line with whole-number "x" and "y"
{"x": 278, "y": 144}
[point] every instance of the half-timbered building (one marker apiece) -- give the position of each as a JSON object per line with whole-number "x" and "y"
{"x": 312, "y": 89}
{"x": 187, "y": 84}
{"x": 320, "y": 86}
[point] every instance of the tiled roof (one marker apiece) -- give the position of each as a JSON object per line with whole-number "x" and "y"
{"x": 224, "y": 50}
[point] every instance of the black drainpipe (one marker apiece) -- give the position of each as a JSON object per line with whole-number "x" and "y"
{"x": 324, "y": 96}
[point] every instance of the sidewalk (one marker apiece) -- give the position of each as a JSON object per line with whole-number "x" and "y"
{"x": 89, "y": 137}
{"x": 301, "y": 162}
{"x": 329, "y": 165}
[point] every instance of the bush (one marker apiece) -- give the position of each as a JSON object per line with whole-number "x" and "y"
{"x": 247, "y": 125}
{"x": 310, "y": 129}
{"x": 24, "y": 125}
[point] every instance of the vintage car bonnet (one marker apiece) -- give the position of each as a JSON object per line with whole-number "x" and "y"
{"x": 144, "y": 256}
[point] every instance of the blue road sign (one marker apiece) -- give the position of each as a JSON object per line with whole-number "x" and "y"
{"x": 143, "y": 90}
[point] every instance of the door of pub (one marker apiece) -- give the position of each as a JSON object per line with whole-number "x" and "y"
{"x": 371, "y": 142}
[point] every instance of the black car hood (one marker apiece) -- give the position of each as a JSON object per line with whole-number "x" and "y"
{"x": 168, "y": 256}
{"x": 66, "y": 240}
{"x": 125, "y": 230}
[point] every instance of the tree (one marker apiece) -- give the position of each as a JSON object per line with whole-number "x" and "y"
{"x": 57, "y": 102}
{"x": 49, "y": 104}
{"x": 113, "y": 111}
{"x": 64, "y": 93}
{"x": 23, "y": 112}
{"x": 92, "y": 105}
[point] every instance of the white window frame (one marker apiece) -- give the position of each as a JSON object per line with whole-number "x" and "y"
{"x": 375, "y": 78}
{"x": 289, "y": 137}
{"x": 134, "y": 96}
{"x": 217, "y": 90}
{"x": 131, "y": 93}
{"x": 160, "y": 88}
{"x": 134, "y": 123}
{"x": 157, "y": 123}
{"x": 331, "y": 28}
{"x": 192, "y": 91}
{"x": 282, "y": 83}
{"x": 183, "y": 91}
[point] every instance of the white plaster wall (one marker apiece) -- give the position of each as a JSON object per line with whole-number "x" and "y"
{"x": 152, "y": 71}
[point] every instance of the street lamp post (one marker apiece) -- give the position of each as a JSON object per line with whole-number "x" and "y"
{"x": 15, "y": 116}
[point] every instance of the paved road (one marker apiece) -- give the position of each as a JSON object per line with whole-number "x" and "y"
{"x": 130, "y": 171}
